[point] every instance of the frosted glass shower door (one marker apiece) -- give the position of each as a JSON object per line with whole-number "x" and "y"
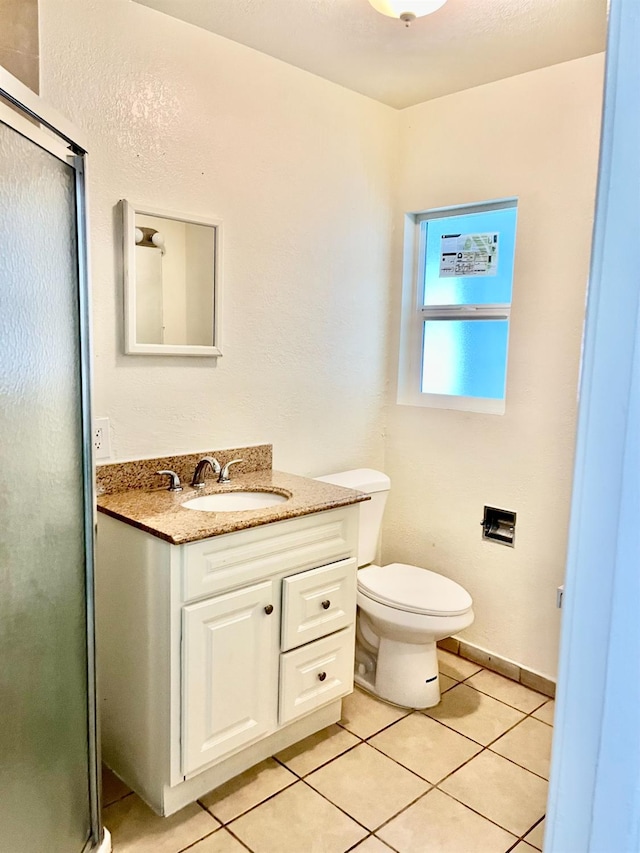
{"x": 45, "y": 799}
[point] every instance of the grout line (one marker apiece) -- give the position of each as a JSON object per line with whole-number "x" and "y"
{"x": 531, "y": 828}
{"x": 383, "y": 729}
{"x": 330, "y": 760}
{"x": 246, "y": 811}
{"x": 485, "y": 747}
{"x": 238, "y": 839}
{"x": 336, "y": 806}
{"x": 404, "y": 808}
{"x": 193, "y": 843}
{"x": 490, "y": 820}
{"x": 118, "y": 800}
{"x": 511, "y": 760}
{"x": 502, "y": 701}
{"x": 451, "y": 729}
{"x": 424, "y": 779}
{"x": 390, "y": 846}
{"x": 358, "y": 843}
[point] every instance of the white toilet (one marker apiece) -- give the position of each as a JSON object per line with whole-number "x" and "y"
{"x": 402, "y": 610}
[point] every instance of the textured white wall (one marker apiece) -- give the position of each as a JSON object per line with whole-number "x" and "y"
{"x": 535, "y": 137}
{"x": 299, "y": 171}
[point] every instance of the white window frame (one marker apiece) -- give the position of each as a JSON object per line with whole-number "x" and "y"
{"x": 414, "y": 313}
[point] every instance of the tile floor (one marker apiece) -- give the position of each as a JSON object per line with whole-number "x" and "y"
{"x": 469, "y": 776}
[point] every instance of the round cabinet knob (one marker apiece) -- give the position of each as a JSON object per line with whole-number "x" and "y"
{"x": 326, "y": 604}
{"x": 322, "y": 676}
{"x": 269, "y": 609}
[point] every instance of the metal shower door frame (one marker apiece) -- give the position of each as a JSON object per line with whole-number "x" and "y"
{"x": 29, "y": 116}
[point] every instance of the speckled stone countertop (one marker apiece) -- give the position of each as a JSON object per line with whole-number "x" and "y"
{"x": 160, "y": 512}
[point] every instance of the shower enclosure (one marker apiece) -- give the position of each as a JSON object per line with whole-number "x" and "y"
{"x": 49, "y": 789}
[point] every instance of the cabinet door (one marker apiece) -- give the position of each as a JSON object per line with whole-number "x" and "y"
{"x": 230, "y": 673}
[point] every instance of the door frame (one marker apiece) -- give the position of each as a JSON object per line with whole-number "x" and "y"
{"x": 594, "y": 798}
{"x": 31, "y": 117}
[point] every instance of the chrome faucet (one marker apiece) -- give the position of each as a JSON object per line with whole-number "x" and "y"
{"x": 224, "y": 473}
{"x": 198, "y": 475}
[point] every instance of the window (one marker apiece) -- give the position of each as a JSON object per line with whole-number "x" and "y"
{"x": 456, "y": 307}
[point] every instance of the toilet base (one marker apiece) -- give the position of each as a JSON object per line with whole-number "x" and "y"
{"x": 407, "y": 673}
{"x": 404, "y": 674}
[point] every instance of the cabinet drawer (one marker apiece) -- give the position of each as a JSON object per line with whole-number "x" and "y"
{"x": 237, "y": 559}
{"x": 317, "y": 602}
{"x": 316, "y": 674}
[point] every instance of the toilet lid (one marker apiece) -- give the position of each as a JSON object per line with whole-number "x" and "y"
{"x": 415, "y": 590}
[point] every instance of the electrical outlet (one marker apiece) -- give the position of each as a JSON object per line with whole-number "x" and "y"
{"x": 101, "y": 438}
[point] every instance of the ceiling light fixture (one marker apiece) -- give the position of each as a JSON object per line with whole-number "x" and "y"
{"x": 407, "y": 10}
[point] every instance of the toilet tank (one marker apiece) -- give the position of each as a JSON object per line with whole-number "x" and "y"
{"x": 373, "y": 483}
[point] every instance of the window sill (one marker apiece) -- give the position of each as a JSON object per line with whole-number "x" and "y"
{"x": 481, "y": 405}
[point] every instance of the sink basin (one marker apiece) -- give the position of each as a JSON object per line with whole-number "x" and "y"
{"x": 234, "y": 501}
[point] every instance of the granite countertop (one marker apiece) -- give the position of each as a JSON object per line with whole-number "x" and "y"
{"x": 160, "y": 513}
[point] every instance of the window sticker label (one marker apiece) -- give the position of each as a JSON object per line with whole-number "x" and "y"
{"x": 468, "y": 255}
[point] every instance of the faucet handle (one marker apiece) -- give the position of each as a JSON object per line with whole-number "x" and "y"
{"x": 174, "y": 482}
{"x": 224, "y": 473}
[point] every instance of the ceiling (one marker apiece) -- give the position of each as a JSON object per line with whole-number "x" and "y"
{"x": 464, "y": 44}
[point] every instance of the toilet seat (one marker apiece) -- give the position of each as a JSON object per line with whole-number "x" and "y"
{"x": 413, "y": 590}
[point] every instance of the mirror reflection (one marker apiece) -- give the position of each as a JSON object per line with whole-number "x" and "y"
{"x": 171, "y": 284}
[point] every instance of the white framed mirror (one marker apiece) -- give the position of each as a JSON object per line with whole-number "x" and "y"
{"x": 172, "y": 282}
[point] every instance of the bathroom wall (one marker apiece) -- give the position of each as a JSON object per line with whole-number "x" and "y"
{"x": 312, "y": 182}
{"x": 299, "y": 171}
{"x": 19, "y": 40}
{"x": 536, "y": 137}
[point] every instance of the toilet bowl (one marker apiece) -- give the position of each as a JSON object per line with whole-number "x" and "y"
{"x": 403, "y": 610}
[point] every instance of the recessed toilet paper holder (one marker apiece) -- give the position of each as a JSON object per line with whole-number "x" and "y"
{"x": 499, "y": 525}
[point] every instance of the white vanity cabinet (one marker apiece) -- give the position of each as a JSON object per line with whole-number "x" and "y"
{"x": 216, "y": 654}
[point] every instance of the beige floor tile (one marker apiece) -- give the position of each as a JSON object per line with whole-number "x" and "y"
{"x": 536, "y": 836}
{"x": 372, "y": 845}
{"x": 523, "y": 847}
{"x": 529, "y": 745}
{"x": 425, "y": 746}
{"x": 505, "y": 793}
{"x": 220, "y": 842}
{"x": 364, "y": 715}
{"x": 439, "y": 824}
{"x": 456, "y": 667}
{"x": 367, "y": 785}
{"x": 446, "y": 683}
{"x": 506, "y": 690}
{"x": 242, "y": 793}
{"x": 314, "y": 751}
{"x": 474, "y": 714}
{"x": 135, "y": 828}
{"x": 113, "y": 788}
{"x": 546, "y": 712}
{"x": 295, "y": 820}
